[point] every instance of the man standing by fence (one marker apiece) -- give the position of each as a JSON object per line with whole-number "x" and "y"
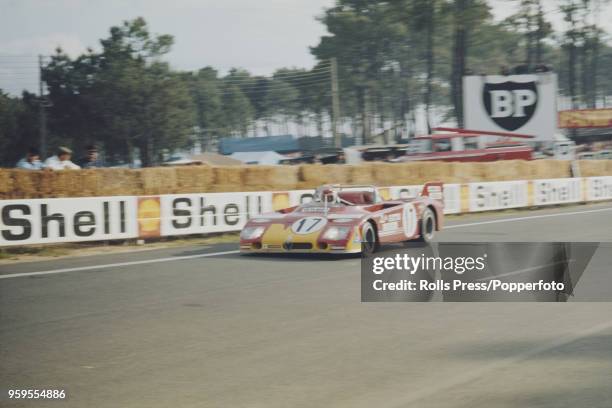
{"x": 61, "y": 161}
{"x": 31, "y": 161}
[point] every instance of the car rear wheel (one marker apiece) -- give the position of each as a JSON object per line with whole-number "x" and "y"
{"x": 428, "y": 226}
{"x": 369, "y": 243}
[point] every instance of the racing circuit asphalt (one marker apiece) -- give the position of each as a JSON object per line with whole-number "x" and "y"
{"x": 183, "y": 328}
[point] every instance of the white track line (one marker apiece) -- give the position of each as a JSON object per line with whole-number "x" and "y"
{"x": 207, "y": 255}
{"x": 531, "y": 217}
{"x": 115, "y": 265}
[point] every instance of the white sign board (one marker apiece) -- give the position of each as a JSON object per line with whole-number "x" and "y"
{"x": 599, "y": 188}
{"x": 452, "y": 195}
{"x": 183, "y": 214}
{"x": 523, "y": 104}
{"x": 557, "y": 191}
{"x": 497, "y": 195}
{"x": 43, "y": 221}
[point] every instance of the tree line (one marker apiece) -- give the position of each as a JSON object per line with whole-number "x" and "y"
{"x": 393, "y": 57}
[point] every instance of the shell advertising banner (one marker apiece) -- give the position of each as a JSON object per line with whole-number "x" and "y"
{"x": 53, "y": 220}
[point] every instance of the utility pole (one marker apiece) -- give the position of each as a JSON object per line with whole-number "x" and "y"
{"x": 335, "y": 103}
{"x": 42, "y": 106}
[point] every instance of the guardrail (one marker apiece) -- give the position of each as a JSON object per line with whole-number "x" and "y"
{"x": 55, "y": 220}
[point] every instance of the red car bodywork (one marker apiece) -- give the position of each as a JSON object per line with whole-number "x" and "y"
{"x": 315, "y": 226}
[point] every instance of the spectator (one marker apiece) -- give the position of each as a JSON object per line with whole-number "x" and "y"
{"x": 31, "y": 161}
{"x": 61, "y": 161}
{"x": 91, "y": 160}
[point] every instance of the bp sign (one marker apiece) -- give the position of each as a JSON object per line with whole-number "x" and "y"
{"x": 517, "y": 103}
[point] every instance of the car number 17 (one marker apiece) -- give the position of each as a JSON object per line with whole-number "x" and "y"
{"x": 308, "y": 225}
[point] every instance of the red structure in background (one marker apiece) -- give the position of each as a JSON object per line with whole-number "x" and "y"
{"x": 465, "y": 145}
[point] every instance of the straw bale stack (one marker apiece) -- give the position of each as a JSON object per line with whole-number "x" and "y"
{"x": 608, "y": 168}
{"x": 64, "y": 183}
{"x": 313, "y": 175}
{"x": 591, "y": 168}
{"x": 270, "y": 178}
{"x": 194, "y": 179}
{"x": 158, "y": 180}
{"x": 228, "y": 174}
{"x": 118, "y": 182}
{"x": 545, "y": 169}
{"x": 382, "y": 174}
{"x": 227, "y": 178}
{"x": 435, "y": 171}
{"x": 6, "y": 184}
{"x": 361, "y": 174}
{"x": 505, "y": 170}
{"x": 465, "y": 172}
{"x": 26, "y": 183}
{"x": 19, "y": 184}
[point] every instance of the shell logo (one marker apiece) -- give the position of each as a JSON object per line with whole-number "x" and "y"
{"x": 280, "y": 201}
{"x": 149, "y": 212}
{"x": 384, "y": 193}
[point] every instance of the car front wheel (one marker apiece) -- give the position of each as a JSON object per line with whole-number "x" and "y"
{"x": 428, "y": 226}
{"x": 369, "y": 242}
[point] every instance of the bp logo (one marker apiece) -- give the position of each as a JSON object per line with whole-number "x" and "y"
{"x": 510, "y": 104}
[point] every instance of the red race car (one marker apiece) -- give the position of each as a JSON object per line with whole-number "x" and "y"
{"x": 342, "y": 218}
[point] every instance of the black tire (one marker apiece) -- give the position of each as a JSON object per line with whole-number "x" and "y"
{"x": 369, "y": 244}
{"x": 427, "y": 226}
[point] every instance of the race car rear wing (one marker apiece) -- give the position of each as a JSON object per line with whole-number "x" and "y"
{"x": 434, "y": 190}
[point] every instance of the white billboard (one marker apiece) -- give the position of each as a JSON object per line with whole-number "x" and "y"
{"x": 557, "y": 191}
{"x": 523, "y": 104}
{"x": 42, "y": 221}
{"x": 183, "y": 214}
{"x": 497, "y": 195}
{"x": 599, "y": 188}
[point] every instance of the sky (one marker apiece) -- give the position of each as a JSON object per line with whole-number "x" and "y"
{"x": 259, "y": 35}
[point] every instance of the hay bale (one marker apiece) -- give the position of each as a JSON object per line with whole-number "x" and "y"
{"x": 158, "y": 180}
{"x": 491, "y": 171}
{"x": 313, "y": 175}
{"x": 522, "y": 169}
{"x": 26, "y": 184}
{"x": 397, "y": 174}
{"x": 226, "y": 188}
{"x": 458, "y": 172}
{"x": 608, "y": 168}
{"x": 593, "y": 168}
{"x": 15, "y": 183}
{"x": 383, "y": 174}
{"x": 117, "y": 182}
{"x": 304, "y": 185}
{"x": 435, "y": 171}
{"x": 57, "y": 183}
{"x": 89, "y": 183}
{"x": 361, "y": 174}
{"x": 269, "y": 178}
{"x": 546, "y": 169}
{"x": 194, "y": 179}
{"x": 466, "y": 172}
{"x": 228, "y": 175}
{"x": 505, "y": 170}
{"x": 6, "y": 183}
